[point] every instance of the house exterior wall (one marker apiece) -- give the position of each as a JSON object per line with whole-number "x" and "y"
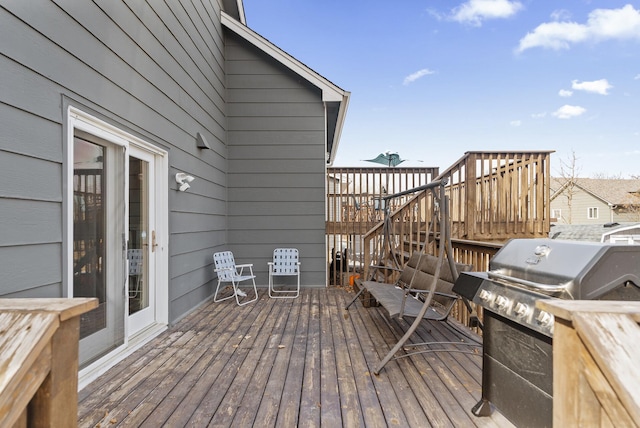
{"x": 154, "y": 69}
{"x": 277, "y": 153}
{"x": 581, "y": 202}
{"x": 631, "y": 214}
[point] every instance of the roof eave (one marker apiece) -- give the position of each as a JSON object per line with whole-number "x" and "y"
{"x": 342, "y": 113}
{"x": 330, "y": 92}
{"x": 235, "y": 8}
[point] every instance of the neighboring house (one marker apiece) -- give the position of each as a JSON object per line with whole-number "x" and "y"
{"x": 615, "y": 233}
{"x": 594, "y": 201}
{"x": 102, "y": 104}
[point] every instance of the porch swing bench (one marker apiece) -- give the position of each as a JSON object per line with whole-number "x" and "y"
{"x": 403, "y": 298}
{"x": 424, "y": 289}
{"x": 413, "y": 295}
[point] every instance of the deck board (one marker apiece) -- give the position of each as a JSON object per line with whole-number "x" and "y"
{"x": 388, "y": 386}
{"x": 292, "y": 391}
{"x": 304, "y": 362}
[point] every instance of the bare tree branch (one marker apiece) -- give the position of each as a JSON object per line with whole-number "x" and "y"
{"x": 569, "y": 170}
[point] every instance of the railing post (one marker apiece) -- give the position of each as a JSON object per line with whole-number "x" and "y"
{"x": 54, "y": 404}
{"x": 596, "y": 378}
{"x": 470, "y": 197}
{"x": 39, "y": 370}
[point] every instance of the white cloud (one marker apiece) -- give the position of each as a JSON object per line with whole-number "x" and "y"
{"x": 560, "y": 15}
{"x": 597, "y": 86}
{"x": 602, "y": 24}
{"x": 437, "y": 15}
{"x": 539, "y": 115}
{"x": 417, "y": 75}
{"x": 565, "y": 93}
{"x": 473, "y": 12}
{"x": 567, "y": 111}
{"x": 515, "y": 123}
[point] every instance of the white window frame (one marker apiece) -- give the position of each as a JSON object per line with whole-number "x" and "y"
{"x": 556, "y": 213}
{"x": 593, "y": 213}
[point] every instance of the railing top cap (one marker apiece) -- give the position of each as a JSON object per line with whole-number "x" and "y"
{"x": 432, "y": 185}
{"x": 65, "y": 307}
{"x": 565, "y": 308}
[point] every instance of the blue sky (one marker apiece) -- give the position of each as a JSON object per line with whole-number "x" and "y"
{"x": 434, "y": 79}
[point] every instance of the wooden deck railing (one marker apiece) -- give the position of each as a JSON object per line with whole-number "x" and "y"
{"x": 39, "y": 361}
{"x": 478, "y": 254}
{"x": 495, "y": 196}
{"x": 355, "y": 206}
{"x": 407, "y": 229}
{"x": 475, "y": 253}
{"x": 596, "y": 376}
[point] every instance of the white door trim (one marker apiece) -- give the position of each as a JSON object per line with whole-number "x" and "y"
{"x": 80, "y": 120}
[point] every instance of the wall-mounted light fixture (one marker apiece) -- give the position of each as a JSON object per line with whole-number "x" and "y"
{"x": 201, "y": 142}
{"x": 183, "y": 179}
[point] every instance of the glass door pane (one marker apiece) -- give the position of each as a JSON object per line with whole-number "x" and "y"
{"x": 89, "y": 215}
{"x": 139, "y": 238}
{"x": 98, "y": 235}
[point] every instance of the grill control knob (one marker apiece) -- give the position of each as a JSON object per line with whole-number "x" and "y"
{"x": 544, "y": 318}
{"x": 501, "y": 302}
{"x": 521, "y": 309}
{"x": 485, "y": 295}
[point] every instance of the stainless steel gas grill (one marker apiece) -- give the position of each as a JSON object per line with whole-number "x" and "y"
{"x": 517, "y": 375}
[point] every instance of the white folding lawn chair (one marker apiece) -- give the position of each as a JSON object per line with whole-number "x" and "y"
{"x": 285, "y": 263}
{"x": 229, "y": 272}
{"x": 135, "y": 272}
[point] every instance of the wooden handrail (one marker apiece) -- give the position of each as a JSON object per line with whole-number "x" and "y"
{"x": 39, "y": 361}
{"x": 596, "y": 376}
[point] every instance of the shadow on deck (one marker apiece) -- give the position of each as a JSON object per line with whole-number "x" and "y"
{"x": 289, "y": 362}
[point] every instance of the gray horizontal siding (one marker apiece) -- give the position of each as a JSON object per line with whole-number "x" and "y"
{"x": 259, "y": 95}
{"x": 276, "y": 163}
{"x": 262, "y": 166}
{"x": 281, "y": 208}
{"x": 29, "y": 222}
{"x": 194, "y": 222}
{"x": 83, "y": 58}
{"x": 187, "y": 243}
{"x": 30, "y": 178}
{"x": 282, "y": 137}
{"x": 152, "y": 68}
{"x": 271, "y": 226}
{"x": 259, "y": 110}
{"x": 276, "y": 180}
{"x": 275, "y": 195}
{"x": 189, "y": 290}
{"x": 27, "y": 268}
{"x": 40, "y": 140}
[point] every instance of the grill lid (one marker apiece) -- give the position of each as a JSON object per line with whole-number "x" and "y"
{"x": 566, "y": 269}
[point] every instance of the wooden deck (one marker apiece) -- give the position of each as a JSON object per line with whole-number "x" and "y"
{"x": 288, "y": 362}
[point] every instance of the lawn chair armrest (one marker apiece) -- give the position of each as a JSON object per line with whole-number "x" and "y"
{"x": 240, "y": 268}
